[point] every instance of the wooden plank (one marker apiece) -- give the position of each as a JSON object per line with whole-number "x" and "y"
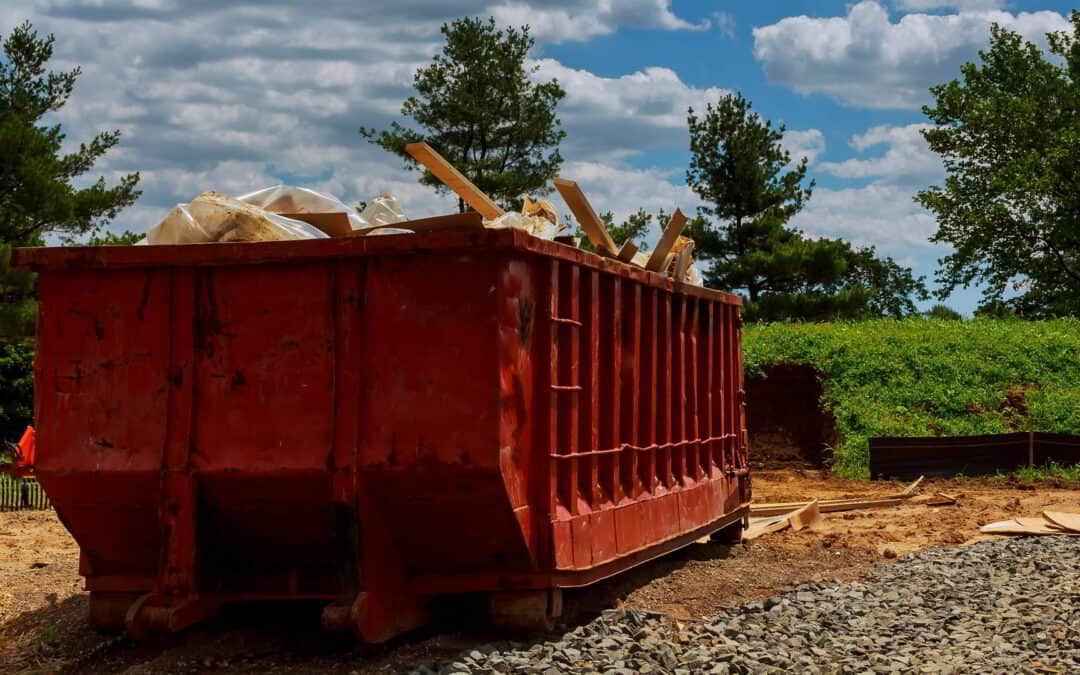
{"x": 628, "y": 251}
{"x": 683, "y": 264}
{"x": 586, "y": 217}
{"x": 663, "y": 248}
{"x": 806, "y": 516}
{"x": 910, "y": 490}
{"x": 1068, "y": 521}
{"x": 825, "y": 506}
{"x": 453, "y": 179}
{"x": 1024, "y": 526}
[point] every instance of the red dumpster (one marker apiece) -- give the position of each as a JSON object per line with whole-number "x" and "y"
{"x": 377, "y": 421}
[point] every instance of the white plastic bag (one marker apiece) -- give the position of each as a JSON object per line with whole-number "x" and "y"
{"x": 538, "y": 218}
{"x": 383, "y": 210}
{"x": 292, "y": 199}
{"x": 214, "y": 217}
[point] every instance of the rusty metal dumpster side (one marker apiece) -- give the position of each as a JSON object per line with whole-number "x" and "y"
{"x": 373, "y": 422}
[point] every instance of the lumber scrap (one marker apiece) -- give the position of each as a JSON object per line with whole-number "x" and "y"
{"x": 628, "y": 251}
{"x": 940, "y": 499}
{"x": 804, "y": 517}
{"x": 910, "y": 490}
{"x": 1068, "y": 521}
{"x": 1025, "y": 526}
{"x": 825, "y": 506}
{"x": 682, "y": 265}
{"x": 453, "y": 179}
{"x": 658, "y": 259}
{"x": 588, "y": 220}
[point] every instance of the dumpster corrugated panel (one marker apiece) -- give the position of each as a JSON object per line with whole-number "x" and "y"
{"x": 384, "y": 418}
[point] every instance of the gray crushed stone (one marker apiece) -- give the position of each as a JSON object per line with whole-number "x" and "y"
{"x": 1003, "y": 606}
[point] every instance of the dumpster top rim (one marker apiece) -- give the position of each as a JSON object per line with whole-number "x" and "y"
{"x": 80, "y": 258}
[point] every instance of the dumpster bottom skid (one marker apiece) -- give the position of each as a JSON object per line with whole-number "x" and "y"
{"x": 372, "y": 423}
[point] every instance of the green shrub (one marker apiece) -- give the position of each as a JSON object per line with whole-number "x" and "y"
{"x": 16, "y": 389}
{"x": 931, "y": 377}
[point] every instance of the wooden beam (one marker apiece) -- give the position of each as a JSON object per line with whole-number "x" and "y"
{"x": 667, "y": 240}
{"x": 453, "y": 179}
{"x": 586, "y": 217}
{"x": 683, "y": 264}
{"x": 825, "y": 506}
{"x": 628, "y": 251}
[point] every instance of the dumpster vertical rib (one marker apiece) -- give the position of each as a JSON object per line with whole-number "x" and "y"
{"x": 176, "y": 574}
{"x": 571, "y": 359}
{"x": 590, "y": 402}
{"x": 630, "y": 372}
{"x": 614, "y": 390}
{"x": 711, "y": 430}
{"x": 719, "y": 339}
{"x": 648, "y": 461}
{"x": 348, "y": 295}
{"x": 697, "y": 450}
{"x": 740, "y": 425}
{"x": 678, "y": 394}
{"x": 666, "y": 436}
{"x": 559, "y": 469}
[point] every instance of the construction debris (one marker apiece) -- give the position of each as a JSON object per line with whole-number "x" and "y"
{"x": 1052, "y": 522}
{"x": 940, "y": 499}
{"x": 283, "y": 212}
{"x": 835, "y": 505}
{"x": 213, "y": 217}
{"x": 586, "y": 217}
{"x": 805, "y": 517}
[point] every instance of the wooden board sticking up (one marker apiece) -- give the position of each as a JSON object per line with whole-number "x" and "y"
{"x": 682, "y": 264}
{"x": 628, "y": 251}
{"x": 453, "y": 179}
{"x": 658, "y": 260}
{"x": 587, "y": 218}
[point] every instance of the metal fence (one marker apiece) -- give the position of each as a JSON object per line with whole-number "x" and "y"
{"x": 17, "y": 494}
{"x": 908, "y": 458}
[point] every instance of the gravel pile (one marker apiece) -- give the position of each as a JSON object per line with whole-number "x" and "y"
{"x": 1009, "y": 606}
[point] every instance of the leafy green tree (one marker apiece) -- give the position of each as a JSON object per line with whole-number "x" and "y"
{"x": 1008, "y": 132}
{"x": 940, "y": 311}
{"x": 37, "y": 197}
{"x": 740, "y": 169}
{"x": 16, "y": 389}
{"x": 478, "y": 106}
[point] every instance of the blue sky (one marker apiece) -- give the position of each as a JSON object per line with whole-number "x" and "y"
{"x": 233, "y": 96}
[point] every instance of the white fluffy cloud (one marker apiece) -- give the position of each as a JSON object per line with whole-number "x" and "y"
{"x": 922, "y": 5}
{"x": 907, "y": 158}
{"x": 864, "y": 59}
{"x": 610, "y": 117}
{"x": 808, "y": 143}
{"x": 232, "y": 96}
{"x": 576, "y": 21}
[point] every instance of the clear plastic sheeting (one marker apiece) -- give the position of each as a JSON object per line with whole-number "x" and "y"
{"x": 538, "y": 217}
{"x": 383, "y": 210}
{"x": 292, "y": 199}
{"x": 213, "y": 217}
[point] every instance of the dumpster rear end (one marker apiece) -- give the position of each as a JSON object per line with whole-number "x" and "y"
{"x": 374, "y": 422}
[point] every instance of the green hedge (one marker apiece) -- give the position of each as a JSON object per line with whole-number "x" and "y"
{"x": 16, "y": 389}
{"x": 926, "y": 377}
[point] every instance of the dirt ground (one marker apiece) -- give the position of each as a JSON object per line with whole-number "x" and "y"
{"x": 42, "y": 606}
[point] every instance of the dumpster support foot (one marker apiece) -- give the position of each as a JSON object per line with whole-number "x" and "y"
{"x": 526, "y": 610}
{"x": 153, "y": 614}
{"x": 375, "y": 619}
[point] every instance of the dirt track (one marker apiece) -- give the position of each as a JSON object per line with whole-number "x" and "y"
{"x": 42, "y": 607}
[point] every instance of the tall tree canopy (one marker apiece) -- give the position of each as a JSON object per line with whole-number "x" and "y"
{"x": 740, "y": 169}
{"x": 1008, "y": 132}
{"x": 37, "y": 197}
{"x": 478, "y": 105}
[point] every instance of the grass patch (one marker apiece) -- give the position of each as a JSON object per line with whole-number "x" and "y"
{"x": 926, "y": 377}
